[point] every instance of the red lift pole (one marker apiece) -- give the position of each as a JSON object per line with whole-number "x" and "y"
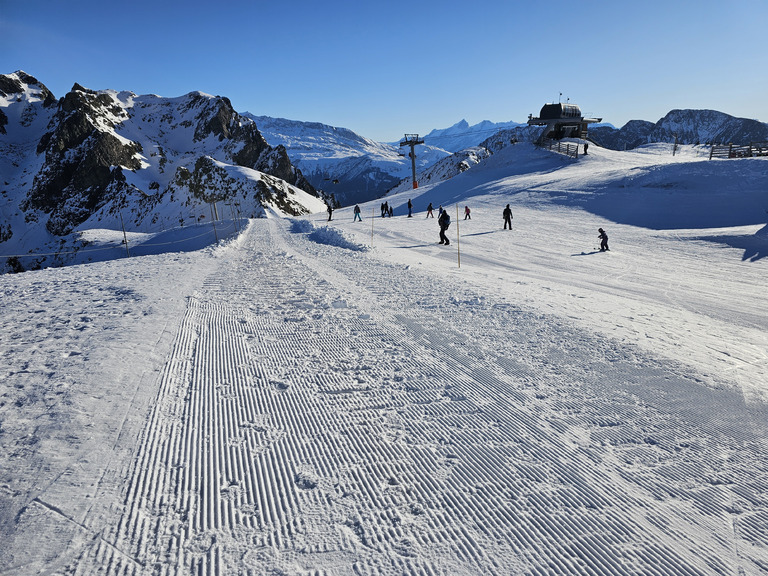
{"x": 412, "y": 140}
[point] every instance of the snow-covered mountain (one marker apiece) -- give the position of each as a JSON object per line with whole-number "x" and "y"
{"x": 461, "y": 135}
{"x": 341, "y": 162}
{"x": 690, "y": 126}
{"x": 103, "y": 159}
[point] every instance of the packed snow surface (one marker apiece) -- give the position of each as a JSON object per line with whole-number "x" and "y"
{"x": 331, "y": 398}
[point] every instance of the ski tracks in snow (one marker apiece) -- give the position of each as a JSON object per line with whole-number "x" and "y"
{"x": 320, "y": 417}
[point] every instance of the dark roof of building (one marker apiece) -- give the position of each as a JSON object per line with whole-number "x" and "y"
{"x": 555, "y": 111}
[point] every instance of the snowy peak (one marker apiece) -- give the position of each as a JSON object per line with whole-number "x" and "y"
{"x": 22, "y": 85}
{"x": 461, "y": 135}
{"x": 92, "y": 156}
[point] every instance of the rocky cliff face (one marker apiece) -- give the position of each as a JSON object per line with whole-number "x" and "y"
{"x": 94, "y": 156}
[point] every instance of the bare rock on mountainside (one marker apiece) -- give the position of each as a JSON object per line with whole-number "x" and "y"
{"x": 93, "y": 156}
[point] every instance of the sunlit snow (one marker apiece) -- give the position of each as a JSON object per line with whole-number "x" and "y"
{"x": 314, "y": 397}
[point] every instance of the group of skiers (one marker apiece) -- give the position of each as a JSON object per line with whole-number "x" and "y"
{"x": 444, "y": 220}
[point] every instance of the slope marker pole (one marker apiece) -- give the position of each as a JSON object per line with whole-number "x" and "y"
{"x": 125, "y": 237}
{"x": 458, "y": 245}
{"x": 213, "y": 221}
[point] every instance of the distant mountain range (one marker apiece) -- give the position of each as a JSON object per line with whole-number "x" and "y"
{"x": 107, "y": 159}
{"x": 356, "y": 169}
{"x": 688, "y": 126}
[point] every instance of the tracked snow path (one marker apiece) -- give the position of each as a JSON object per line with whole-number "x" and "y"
{"x": 318, "y": 417}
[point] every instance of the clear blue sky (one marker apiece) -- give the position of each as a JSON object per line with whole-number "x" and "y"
{"x": 384, "y": 69}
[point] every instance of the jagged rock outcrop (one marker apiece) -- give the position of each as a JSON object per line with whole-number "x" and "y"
{"x": 85, "y": 157}
{"x": 104, "y": 158}
{"x": 17, "y": 83}
{"x": 79, "y": 159}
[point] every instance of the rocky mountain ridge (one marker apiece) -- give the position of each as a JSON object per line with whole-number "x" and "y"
{"x": 100, "y": 159}
{"x": 688, "y": 126}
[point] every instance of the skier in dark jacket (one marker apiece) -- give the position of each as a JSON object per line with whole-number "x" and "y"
{"x": 507, "y": 217}
{"x": 410, "y": 208}
{"x": 603, "y": 240}
{"x": 444, "y": 221}
{"x": 429, "y": 211}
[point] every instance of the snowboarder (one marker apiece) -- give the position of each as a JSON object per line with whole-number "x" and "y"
{"x": 603, "y": 240}
{"x": 429, "y": 211}
{"x": 357, "y": 214}
{"x": 391, "y": 211}
{"x": 385, "y": 210}
{"x": 410, "y": 209}
{"x": 466, "y": 213}
{"x": 586, "y": 145}
{"x": 444, "y": 221}
{"x": 382, "y": 209}
{"x": 330, "y": 212}
{"x": 507, "y": 217}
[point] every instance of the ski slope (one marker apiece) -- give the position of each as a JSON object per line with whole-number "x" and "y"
{"x": 317, "y": 397}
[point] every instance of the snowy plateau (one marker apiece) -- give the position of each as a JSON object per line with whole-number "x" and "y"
{"x": 329, "y": 398}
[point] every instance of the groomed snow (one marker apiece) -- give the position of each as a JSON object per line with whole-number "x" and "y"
{"x": 313, "y": 397}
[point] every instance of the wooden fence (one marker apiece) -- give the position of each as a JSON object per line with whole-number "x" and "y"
{"x": 567, "y": 148}
{"x": 738, "y": 150}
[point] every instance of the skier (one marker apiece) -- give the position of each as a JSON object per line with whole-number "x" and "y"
{"x": 330, "y": 212}
{"x": 603, "y": 240}
{"x": 507, "y": 217}
{"x": 410, "y": 209}
{"x": 466, "y": 213}
{"x": 444, "y": 221}
{"x": 382, "y": 209}
{"x": 429, "y": 211}
{"x": 586, "y": 145}
{"x": 357, "y": 214}
{"x": 391, "y": 211}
